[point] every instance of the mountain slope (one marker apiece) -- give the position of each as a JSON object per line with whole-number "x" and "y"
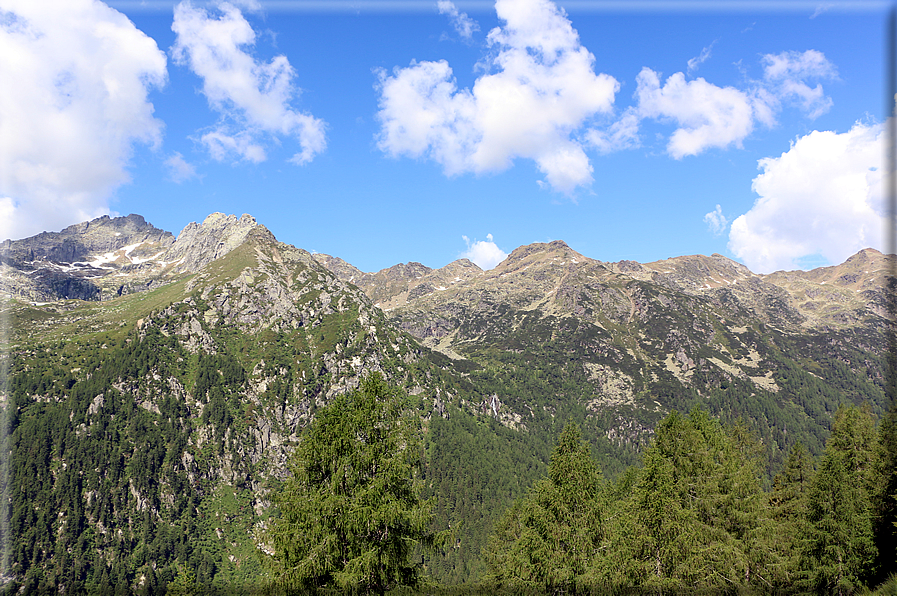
{"x": 156, "y": 424}
{"x": 549, "y": 329}
{"x": 155, "y": 418}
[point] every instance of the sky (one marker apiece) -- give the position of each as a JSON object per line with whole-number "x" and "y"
{"x": 388, "y": 131}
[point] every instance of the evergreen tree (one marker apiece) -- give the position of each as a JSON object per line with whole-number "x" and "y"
{"x": 788, "y": 502}
{"x": 696, "y": 508}
{"x": 350, "y": 515}
{"x": 837, "y": 550}
{"x": 885, "y": 495}
{"x": 550, "y": 539}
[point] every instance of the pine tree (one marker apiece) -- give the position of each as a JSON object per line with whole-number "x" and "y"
{"x": 350, "y": 515}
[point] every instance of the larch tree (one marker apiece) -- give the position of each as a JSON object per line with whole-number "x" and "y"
{"x": 837, "y": 548}
{"x": 549, "y": 540}
{"x": 351, "y": 516}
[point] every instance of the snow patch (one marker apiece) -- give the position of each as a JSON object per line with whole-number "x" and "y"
{"x": 138, "y": 260}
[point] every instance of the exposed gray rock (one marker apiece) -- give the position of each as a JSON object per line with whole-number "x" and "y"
{"x": 93, "y": 260}
{"x": 199, "y": 244}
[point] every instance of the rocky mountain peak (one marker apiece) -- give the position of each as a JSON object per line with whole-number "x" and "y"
{"x": 79, "y": 261}
{"x": 539, "y": 251}
{"x": 405, "y": 271}
{"x": 83, "y": 241}
{"x": 199, "y": 244}
{"x": 340, "y": 268}
{"x": 697, "y": 273}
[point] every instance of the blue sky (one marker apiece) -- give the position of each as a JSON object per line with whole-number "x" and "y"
{"x": 386, "y": 132}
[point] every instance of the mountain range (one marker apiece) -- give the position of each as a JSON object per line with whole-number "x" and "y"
{"x": 179, "y": 372}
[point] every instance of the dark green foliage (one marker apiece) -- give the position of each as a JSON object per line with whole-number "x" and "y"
{"x": 102, "y": 497}
{"x": 550, "y": 539}
{"x": 476, "y": 468}
{"x": 788, "y": 501}
{"x": 696, "y": 507}
{"x": 885, "y": 495}
{"x": 350, "y": 516}
{"x": 837, "y": 545}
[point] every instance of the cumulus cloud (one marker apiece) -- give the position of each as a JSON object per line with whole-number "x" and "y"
{"x": 74, "y": 100}
{"x": 706, "y": 115}
{"x": 485, "y": 253}
{"x": 540, "y": 90}
{"x": 821, "y": 197}
{"x": 178, "y": 169}
{"x": 786, "y": 75}
{"x": 463, "y": 24}
{"x": 716, "y": 221}
{"x": 252, "y": 97}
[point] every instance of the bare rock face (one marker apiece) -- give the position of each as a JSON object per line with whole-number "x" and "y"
{"x": 92, "y": 260}
{"x": 341, "y": 269}
{"x": 83, "y": 241}
{"x": 403, "y": 283}
{"x": 691, "y": 321}
{"x": 200, "y": 244}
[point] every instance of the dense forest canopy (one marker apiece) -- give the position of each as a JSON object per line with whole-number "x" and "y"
{"x": 697, "y": 511}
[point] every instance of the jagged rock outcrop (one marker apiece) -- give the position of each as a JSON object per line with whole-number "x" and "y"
{"x": 634, "y": 328}
{"x": 397, "y": 285}
{"x": 199, "y": 244}
{"x": 82, "y": 242}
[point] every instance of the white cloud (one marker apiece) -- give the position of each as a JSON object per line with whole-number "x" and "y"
{"x": 622, "y": 134}
{"x": 74, "y": 98}
{"x": 463, "y": 24}
{"x": 787, "y": 72}
{"x": 706, "y": 115}
{"x": 541, "y": 91}
{"x": 485, "y": 253}
{"x": 178, "y": 169}
{"x": 716, "y": 221}
{"x": 822, "y": 197}
{"x": 697, "y": 61}
{"x": 252, "y": 97}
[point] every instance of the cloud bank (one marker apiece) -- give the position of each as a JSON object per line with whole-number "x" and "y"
{"x": 253, "y": 98}
{"x": 77, "y": 75}
{"x": 541, "y": 89}
{"x": 823, "y": 197}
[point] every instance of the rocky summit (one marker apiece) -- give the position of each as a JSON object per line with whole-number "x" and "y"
{"x": 160, "y": 383}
